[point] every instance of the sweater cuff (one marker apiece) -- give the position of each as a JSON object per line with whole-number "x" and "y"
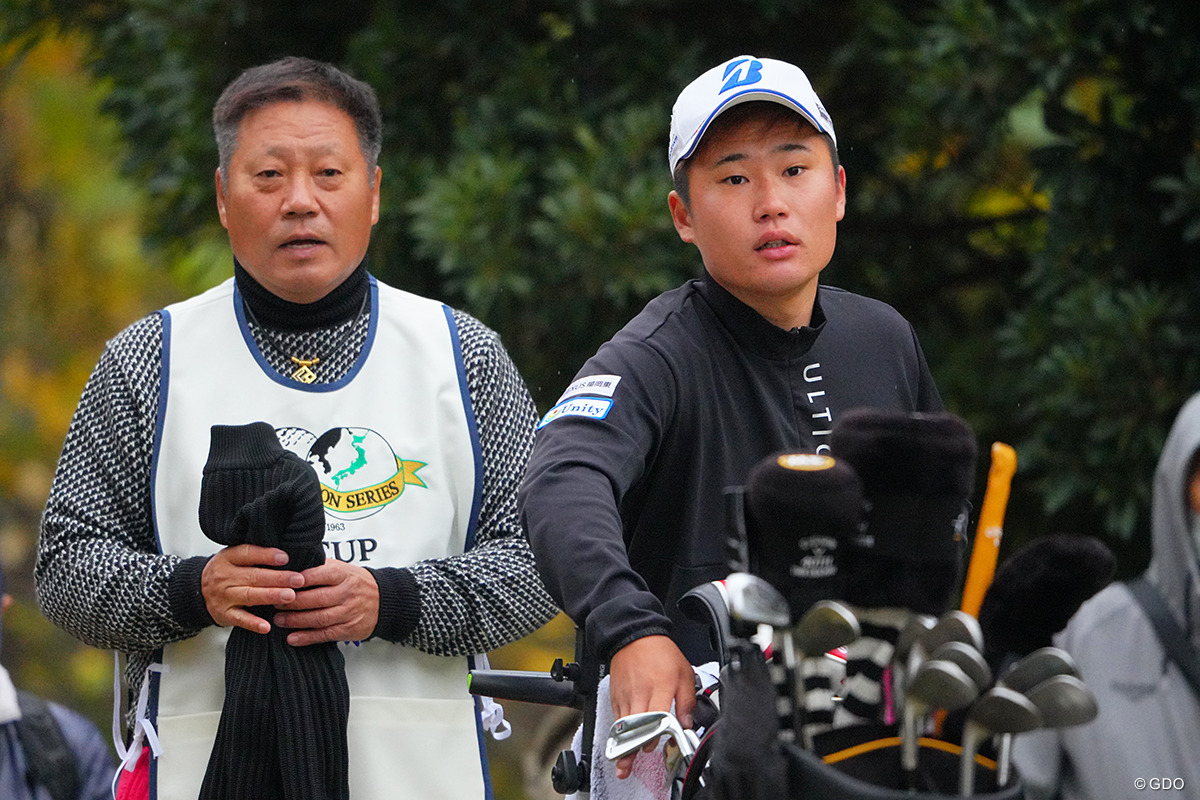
{"x": 186, "y": 597}
{"x": 399, "y": 603}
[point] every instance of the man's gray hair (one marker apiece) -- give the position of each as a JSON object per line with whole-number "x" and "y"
{"x": 295, "y": 79}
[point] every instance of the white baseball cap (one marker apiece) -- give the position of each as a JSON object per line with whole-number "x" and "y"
{"x": 739, "y": 80}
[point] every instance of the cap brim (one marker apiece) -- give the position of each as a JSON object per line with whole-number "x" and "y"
{"x": 745, "y": 97}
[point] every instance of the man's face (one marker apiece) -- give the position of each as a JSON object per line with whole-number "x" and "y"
{"x": 299, "y": 205}
{"x": 764, "y": 207}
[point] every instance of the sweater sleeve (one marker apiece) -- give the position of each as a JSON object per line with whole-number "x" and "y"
{"x": 589, "y": 455}
{"x": 98, "y": 574}
{"x": 490, "y": 595}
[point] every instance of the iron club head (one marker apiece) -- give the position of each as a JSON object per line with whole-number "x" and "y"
{"x": 916, "y": 626}
{"x": 826, "y": 625}
{"x": 969, "y": 659}
{"x": 999, "y": 710}
{"x": 953, "y": 626}
{"x": 1063, "y": 701}
{"x": 1036, "y": 667}
{"x": 633, "y": 732}
{"x": 754, "y": 602}
{"x": 935, "y": 684}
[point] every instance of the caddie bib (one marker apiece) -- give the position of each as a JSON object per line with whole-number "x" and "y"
{"x": 395, "y": 446}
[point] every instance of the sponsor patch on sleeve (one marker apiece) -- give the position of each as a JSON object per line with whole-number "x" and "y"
{"x": 595, "y": 385}
{"x": 591, "y": 407}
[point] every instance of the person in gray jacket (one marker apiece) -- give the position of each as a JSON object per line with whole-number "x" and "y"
{"x": 48, "y": 751}
{"x": 1147, "y": 734}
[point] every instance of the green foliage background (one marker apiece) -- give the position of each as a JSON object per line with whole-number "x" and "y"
{"x": 1023, "y": 184}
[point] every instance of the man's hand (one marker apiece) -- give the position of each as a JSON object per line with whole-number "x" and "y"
{"x": 340, "y": 605}
{"x": 242, "y": 576}
{"x": 647, "y": 675}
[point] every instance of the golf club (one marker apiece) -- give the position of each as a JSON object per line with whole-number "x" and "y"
{"x": 953, "y": 626}
{"x": 753, "y": 602}
{"x": 826, "y": 625}
{"x": 967, "y": 657}
{"x": 1035, "y": 668}
{"x": 934, "y": 685}
{"x": 999, "y": 710}
{"x": 632, "y": 732}
{"x": 1063, "y": 701}
{"x": 916, "y": 626}
{"x": 1043, "y": 663}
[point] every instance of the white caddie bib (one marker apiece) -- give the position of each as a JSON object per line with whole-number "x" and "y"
{"x": 395, "y": 447}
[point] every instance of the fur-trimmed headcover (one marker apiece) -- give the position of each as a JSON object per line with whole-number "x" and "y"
{"x": 802, "y": 510}
{"x": 1037, "y": 590}
{"x": 917, "y": 472}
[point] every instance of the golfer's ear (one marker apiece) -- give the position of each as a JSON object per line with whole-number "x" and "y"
{"x": 681, "y": 216}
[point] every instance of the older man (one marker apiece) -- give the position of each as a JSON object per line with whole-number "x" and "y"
{"x": 412, "y": 415}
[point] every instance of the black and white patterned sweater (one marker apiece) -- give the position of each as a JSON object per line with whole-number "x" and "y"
{"x": 99, "y": 574}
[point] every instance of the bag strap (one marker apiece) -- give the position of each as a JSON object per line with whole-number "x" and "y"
{"x": 48, "y": 758}
{"x": 1170, "y": 634}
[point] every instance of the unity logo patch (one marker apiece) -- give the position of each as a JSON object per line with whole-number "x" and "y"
{"x": 360, "y": 472}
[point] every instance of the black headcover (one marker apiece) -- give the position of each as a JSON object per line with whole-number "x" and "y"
{"x": 1037, "y": 589}
{"x": 801, "y": 511}
{"x": 917, "y": 472}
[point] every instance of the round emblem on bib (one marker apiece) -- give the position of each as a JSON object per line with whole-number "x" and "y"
{"x": 360, "y": 473}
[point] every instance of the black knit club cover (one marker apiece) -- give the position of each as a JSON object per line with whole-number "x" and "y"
{"x": 282, "y": 732}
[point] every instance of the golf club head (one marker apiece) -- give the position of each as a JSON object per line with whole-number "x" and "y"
{"x": 1036, "y": 668}
{"x": 916, "y": 627}
{"x": 953, "y": 626}
{"x": 1043, "y": 663}
{"x": 934, "y": 684}
{"x": 1063, "y": 701}
{"x": 633, "y": 732}
{"x": 826, "y": 625}
{"x": 1003, "y": 710}
{"x": 999, "y": 710}
{"x": 753, "y": 602}
{"x": 940, "y": 684}
{"x": 969, "y": 659}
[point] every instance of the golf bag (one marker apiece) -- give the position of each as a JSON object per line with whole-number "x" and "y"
{"x": 747, "y": 761}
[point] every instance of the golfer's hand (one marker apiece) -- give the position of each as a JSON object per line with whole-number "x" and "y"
{"x": 239, "y": 577}
{"x": 648, "y": 674}
{"x": 340, "y": 603}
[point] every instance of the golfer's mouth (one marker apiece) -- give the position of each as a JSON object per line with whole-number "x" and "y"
{"x": 774, "y": 244}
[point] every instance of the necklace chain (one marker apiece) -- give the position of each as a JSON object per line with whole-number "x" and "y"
{"x": 304, "y": 372}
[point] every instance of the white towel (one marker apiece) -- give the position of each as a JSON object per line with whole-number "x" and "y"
{"x": 649, "y": 779}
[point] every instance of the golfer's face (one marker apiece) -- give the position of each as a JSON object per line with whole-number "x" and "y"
{"x": 299, "y": 203}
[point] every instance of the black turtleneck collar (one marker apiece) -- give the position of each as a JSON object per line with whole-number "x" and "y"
{"x": 341, "y": 304}
{"x": 754, "y": 332}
